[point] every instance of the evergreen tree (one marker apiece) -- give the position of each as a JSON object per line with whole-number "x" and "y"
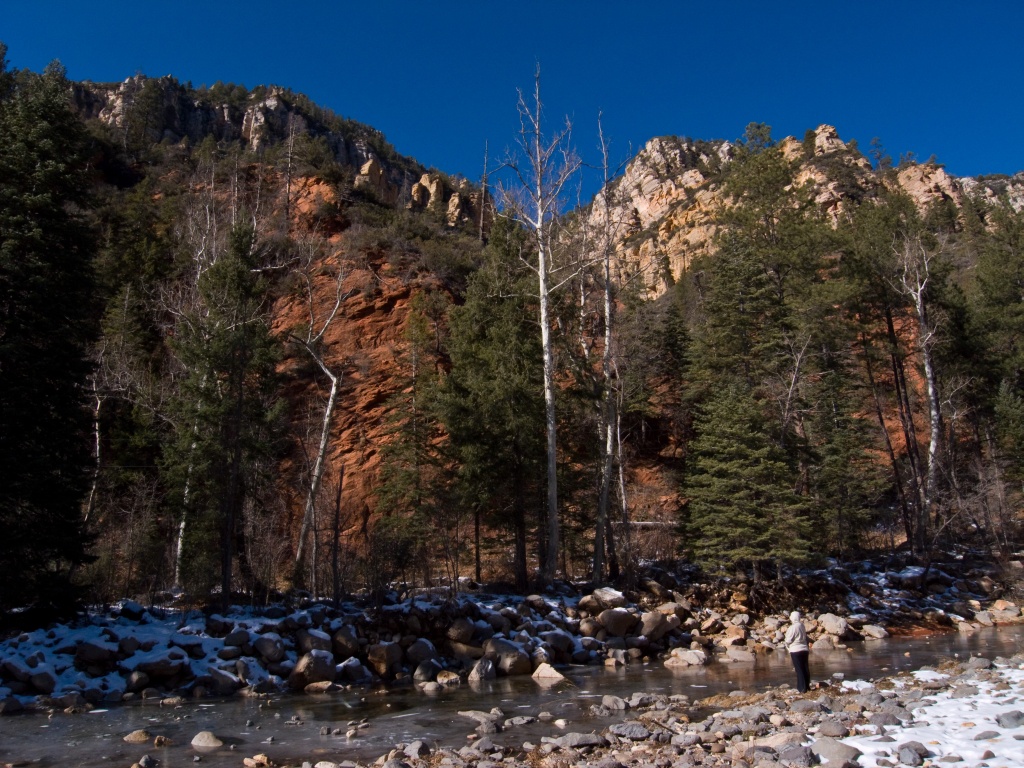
{"x": 492, "y": 406}
{"x": 741, "y": 510}
{"x": 225, "y": 416}
{"x": 46, "y": 324}
{"x": 412, "y": 491}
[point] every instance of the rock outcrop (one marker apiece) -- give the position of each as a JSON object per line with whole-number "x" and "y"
{"x": 662, "y": 210}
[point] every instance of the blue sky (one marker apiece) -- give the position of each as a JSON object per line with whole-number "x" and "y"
{"x": 439, "y": 78}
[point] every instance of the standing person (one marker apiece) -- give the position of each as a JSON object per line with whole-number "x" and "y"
{"x": 796, "y": 644}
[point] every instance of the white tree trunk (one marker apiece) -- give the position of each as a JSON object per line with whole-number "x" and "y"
{"x": 318, "y": 465}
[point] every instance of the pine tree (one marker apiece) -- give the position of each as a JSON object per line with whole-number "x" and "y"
{"x": 46, "y": 323}
{"x": 492, "y": 405}
{"x": 225, "y": 412}
{"x": 741, "y": 510}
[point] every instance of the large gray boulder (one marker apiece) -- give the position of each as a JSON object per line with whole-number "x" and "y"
{"x": 509, "y": 658}
{"x": 224, "y": 682}
{"x": 610, "y": 598}
{"x": 654, "y": 625}
{"x": 461, "y": 631}
{"x": 162, "y": 662}
{"x": 421, "y": 650}
{"x": 270, "y": 646}
{"x": 835, "y": 752}
{"x": 834, "y": 625}
{"x": 873, "y": 632}
{"x": 617, "y": 622}
{"x": 317, "y": 666}
{"x": 686, "y": 657}
{"x": 44, "y": 679}
{"x": 426, "y": 671}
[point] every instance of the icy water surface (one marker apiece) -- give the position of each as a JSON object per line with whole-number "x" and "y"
{"x": 287, "y": 728}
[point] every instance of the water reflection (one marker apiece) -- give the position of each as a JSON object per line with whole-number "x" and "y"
{"x": 289, "y": 728}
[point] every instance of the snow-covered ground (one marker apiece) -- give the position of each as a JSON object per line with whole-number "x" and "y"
{"x": 978, "y": 721}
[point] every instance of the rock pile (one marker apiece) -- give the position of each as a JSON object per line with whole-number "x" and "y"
{"x": 434, "y": 642}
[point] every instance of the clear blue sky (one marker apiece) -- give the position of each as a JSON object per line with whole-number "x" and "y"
{"x": 440, "y": 78}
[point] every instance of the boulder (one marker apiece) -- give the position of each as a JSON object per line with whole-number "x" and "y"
{"x": 674, "y": 609}
{"x": 421, "y": 650}
{"x": 161, "y": 662}
{"x": 657, "y": 589}
{"x": 686, "y": 657}
{"x": 873, "y": 632}
{"x": 509, "y": 658}
{"x": 317, "y": 666}
{"x": 236, "y": 638}
{"x": 345, "y": 642}
{"x": 91, "y": 652}
{"x": 547, "y": 673}
{"x": 133, "y": 611}
{"x": 632, "y": 731}
{"x": 589, "y": 627}
{"x": 225, "y": 683}
{"x": 43, "y": 679}
{"x": 560, "y": 640}
{"x": 834, "y": 625}
{"x": 617, "y": 622}
{"x": 461, "y": 631}
{"x": 352, "y": 671}
{"x": 448, "y": 678}
{"x": 580, "y": 741}
{"x": 206, "y": 740}
{"x": 10, "y": 706}
{"x": 313, "y": 640}
{"x": 426, "y": 671}
{"x": 824, "y": 643}
{"x": 654, "y": 625}
{"x": 482, "y": 670}
{"x": 384, "y": 658}
{"x": 270, "y": 646}
{"x": 610, "y": 598}
{"x": 835, "y": 752}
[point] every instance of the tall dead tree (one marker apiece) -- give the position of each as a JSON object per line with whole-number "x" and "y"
{"x": 541, "y": 177}
{"x": 915, "y": 264}
{"x": 312, "y": 342}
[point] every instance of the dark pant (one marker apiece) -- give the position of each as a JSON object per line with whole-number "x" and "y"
{"x": 803, "y": 671}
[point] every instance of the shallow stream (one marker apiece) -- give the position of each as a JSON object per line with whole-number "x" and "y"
{"x": 287, "y": 728}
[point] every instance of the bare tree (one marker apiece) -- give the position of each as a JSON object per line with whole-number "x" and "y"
{"x": 312, "y": 342}
{"x": 915, "y": 264}
{"x": 541, "y": 178}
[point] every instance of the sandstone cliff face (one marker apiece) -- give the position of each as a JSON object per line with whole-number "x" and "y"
{"x": 364, "y": 344}
{"x": 163, "y": 110}
{"x": 662, "y": 211}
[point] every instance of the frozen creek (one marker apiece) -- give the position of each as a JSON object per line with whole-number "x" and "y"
{"x": 293, "y": 729}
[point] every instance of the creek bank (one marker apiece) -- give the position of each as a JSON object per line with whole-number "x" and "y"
{"x": 432, "y": 642}
{"x": 961, "y": 712}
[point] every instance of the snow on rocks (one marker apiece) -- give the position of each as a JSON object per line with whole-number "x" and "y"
{"x": 435, "y": 640}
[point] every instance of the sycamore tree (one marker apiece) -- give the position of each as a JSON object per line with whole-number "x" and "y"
{"x": 542, "y": 176}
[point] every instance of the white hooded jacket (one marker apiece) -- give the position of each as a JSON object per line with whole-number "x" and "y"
{"x": 796, "y": 635}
